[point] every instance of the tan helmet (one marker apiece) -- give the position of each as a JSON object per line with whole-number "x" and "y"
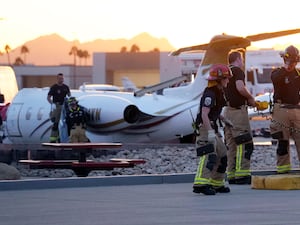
{"x": 290, "y": 54}
{"x": 219, "y": 72}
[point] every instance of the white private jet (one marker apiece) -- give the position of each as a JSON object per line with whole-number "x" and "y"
{"x": 99, "y": 87}
{"x": 124, "y": 116}
{"x": 128, "y": 86}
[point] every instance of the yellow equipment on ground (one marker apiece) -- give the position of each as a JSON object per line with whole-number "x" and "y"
{"x": 261, "y": 106}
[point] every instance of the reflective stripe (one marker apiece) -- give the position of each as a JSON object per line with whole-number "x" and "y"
{"x": 198, "y": 178}
{"x": 200, "y": 167}
{"x": 202, "y": 181}
{"x": 217, "y": 183}
{"x": 231, "y": 175}
{"x": 53, "y": 138}
{"x": 242, "y": 173}
{"x": 284, "y": 168}
{"x": 239, "y": 155}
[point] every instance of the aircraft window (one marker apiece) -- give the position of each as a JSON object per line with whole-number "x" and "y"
{"x": 40, "y": 113}
{"x": 28, "y": 113}
{"x": 264, "y": 76}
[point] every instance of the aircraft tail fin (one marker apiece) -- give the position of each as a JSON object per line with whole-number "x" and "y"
{"x": 8, "y": 84}
{"x": 128, "y": 85}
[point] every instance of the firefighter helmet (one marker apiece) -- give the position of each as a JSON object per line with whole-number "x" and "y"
{"x": 72, "y": 101}
{"x": 290, "y": 54}
{"x": 219, "y": 72}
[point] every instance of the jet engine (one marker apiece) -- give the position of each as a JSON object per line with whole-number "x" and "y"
{"x": 132, "y": 115}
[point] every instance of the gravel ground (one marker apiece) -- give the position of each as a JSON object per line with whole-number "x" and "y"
{"x": 169, "y": 158}
{"x": 162, "y": 159}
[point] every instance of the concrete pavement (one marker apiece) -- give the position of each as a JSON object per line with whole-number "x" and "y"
{"x": 156, "y": 203}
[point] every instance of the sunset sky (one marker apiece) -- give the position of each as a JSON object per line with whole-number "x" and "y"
{"x": 182, "y": 22}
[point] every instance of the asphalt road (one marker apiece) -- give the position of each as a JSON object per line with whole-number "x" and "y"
{"x": 149, "y": 204}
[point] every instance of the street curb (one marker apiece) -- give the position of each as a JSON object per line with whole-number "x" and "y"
{"x": 79, "y": 182}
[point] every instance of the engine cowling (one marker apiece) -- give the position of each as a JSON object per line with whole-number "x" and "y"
{"x": 131, "y": 114}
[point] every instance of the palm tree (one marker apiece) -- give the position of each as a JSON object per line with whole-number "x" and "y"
{"x": 24, "y": 51}
{"x": 85, "y": 55}
{"x": 134, "y": 48}
{"x": 123, "y": 49}
{"x": 80, "y": 55}
{"x": 7, "y": 50}
{"x": 74, "y": 51}
{"x": 19, "y": 62}
{"x": 156, "y": 50}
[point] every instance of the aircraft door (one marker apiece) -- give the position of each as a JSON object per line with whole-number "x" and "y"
{"x": 63, "y": 128}
{"x": 12, "y": 120}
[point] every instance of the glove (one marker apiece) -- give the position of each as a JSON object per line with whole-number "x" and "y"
{"x": 228, "y": 122}
{"x": 211, "y": 137}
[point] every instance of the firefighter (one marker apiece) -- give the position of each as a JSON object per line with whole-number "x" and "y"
{"x": 56, "y": 97}
{"x": 76, "y": 119}
{"x": 210, "y": 175}
{"x": 285, "y": 121}
{"x": 238, "y": 138}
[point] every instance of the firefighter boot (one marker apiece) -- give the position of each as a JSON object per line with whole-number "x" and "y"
{"x": 222, "y": 189}
{"x": 206, "y": 190}
{"x": 243, "y": 180}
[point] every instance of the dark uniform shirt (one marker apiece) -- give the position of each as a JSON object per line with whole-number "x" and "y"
{"x": 76, "y": 117}
{"x": 213, "y": 98}
{"x": 59, "y": 92}
{"x": 233, "y": 96}
{"x": 286, "y": 86}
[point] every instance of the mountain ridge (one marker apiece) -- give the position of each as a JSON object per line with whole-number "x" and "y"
{"x": 52, "y": 49}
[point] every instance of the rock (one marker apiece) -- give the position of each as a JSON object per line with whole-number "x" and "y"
{"x": 163, "y": 159}
{"x": 8, "y": 172}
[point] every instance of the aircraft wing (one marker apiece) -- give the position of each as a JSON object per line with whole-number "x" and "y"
{"x": 188, "y": 49}
{"x": 251, "y": 38}
{"x": 263, "y": 36}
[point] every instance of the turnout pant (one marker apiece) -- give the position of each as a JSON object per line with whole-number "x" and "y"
{"x": 55, "y": 117}
{"x": 77, "y": 134}
{"x": 239, "y": 142}
{"x": 285, "y": 124}
{"x": 212, "y": 165}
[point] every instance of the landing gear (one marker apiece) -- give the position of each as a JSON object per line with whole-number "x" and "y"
{"x": 187, "y": 139}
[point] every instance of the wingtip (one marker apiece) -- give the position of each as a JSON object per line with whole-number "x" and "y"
{"x": 174, "y": 53}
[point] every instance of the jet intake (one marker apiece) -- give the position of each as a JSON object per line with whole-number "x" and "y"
{"x": 131, "y": 114}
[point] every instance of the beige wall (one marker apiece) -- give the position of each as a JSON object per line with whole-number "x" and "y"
{"x": 38, "y": 81}
{"x": 140, "y": 78}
